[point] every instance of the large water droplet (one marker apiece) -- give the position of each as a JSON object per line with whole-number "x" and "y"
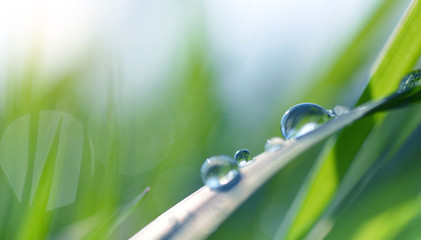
{"x": 219, "y": 171}
{"x": 242, "y": 157}
{"x": 302, "y": 119}
{"x": 274, "y": 144}
{"x": 410, "y": 80}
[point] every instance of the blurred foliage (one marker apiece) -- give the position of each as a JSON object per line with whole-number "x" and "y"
{"x": 73, "y": 169}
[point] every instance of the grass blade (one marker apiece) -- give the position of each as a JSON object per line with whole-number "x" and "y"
{"x": 380, "y": 214}
{"x": 106, "y": 229}
{"x": 380, "y": 146}
{"x": 332, "y": 85}
{"x": 203, "y": 211}
{"x": 398, "y": 58}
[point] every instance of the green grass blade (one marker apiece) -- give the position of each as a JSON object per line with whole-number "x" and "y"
{"x": 383, "y": 143}
{"x": 398, "y": 57}
{"x": 106, "y": 229}
{"x": 126, "y": 211}
{"x": 377, "y": 214}
{"x": 199, "y": 214}
{"x": 331, "y": 85}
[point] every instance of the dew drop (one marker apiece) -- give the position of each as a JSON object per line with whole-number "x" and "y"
{"x": 242, "y": 157}
{"x": 410, "y": 81}
{"x": 339, "y": 110}
{"x": 302, "y": 119}
{"x": 219, "y": 171}
{"x": 274, "y": 144}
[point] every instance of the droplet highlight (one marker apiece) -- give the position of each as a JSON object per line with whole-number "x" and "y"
{"x": 243, "y": 157}
{"x": 410, "y": 81}
{"x": 219, "y": 172}
{"x": 274, "y": 144}
{"x": 302, "y": 119}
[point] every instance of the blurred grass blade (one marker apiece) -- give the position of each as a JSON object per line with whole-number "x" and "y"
{"x": 377, "y": 214}
{"x": 106, "y": 229}
{"x": 380, "y": 146}
{"x": 56, "y": 168}
{"x": 14, "y": 157}
{"x": 398, "y": 58}
{"x": 127, "y": 210}
{"x": 201, "y": 213}
{"x": 331, "y": 85}
{"x": 67, "y": 167}
{"x": 47, "y": 128}
{"x": 67, "y": 162}
{"x": 78, "y": 229}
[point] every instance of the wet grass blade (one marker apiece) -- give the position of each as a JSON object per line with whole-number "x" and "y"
{"x": 397, "y": 100}
{"x": 201, "y": 213}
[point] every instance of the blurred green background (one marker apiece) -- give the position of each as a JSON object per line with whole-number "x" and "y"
{"x": 101, "y": 99}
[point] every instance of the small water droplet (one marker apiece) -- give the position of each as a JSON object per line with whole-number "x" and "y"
{"x": 274, "y": 144}
{"x": 302, "y": 119}
{"x": 339, "y": 110}
{"x": 410, "y": 81}
{"x": 219, "y": 171}
{"x": 242, "y": 157}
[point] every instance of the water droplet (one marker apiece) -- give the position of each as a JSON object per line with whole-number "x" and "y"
{"x": 274, "y": 144}
{"x": 242, "y": 157}
{"x": 219, "y": 171}
{"x": 410, "y": 81}
{"x": 302, "y": 119}
{"x": 339, "y": 110}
